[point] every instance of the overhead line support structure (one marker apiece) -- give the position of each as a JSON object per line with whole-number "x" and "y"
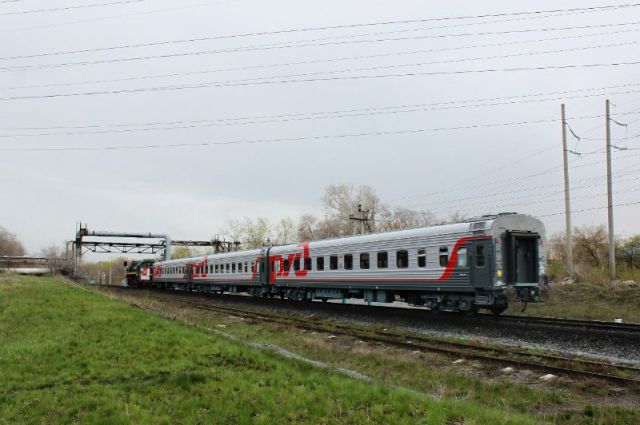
{"x": 612, "y": 246}
{"x": 567, "y": 197}
{"x": 105, "y": 242}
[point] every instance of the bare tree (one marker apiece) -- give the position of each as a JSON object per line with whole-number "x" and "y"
{"x": 9, "y": 245}
{"x": 305, "y": 227}
{"x": 181, "y": 252}
{"x": 591, "y": 245}
{"x": 341, "y": 202}
{"x": 403, "y": 218}
{"x": 285, "y": 231}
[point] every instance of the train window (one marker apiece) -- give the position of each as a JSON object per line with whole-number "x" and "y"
{"x": 480, "y": 256}
{"x": 402, "y": 259}
{"x": 422, "y": 257}
{"x": 246, "y": 267}
{"x": 444, "y": 256}
{"x": 383, "y": 260}
{"x": 217, "y": 268}
{"x": 226, "y": 268}
{"x": 320, "y": 263}
{"x": 348, "y": 262}
{"x": 286, "y": 266}
{"x": 307, "y": 263}
{"x": 233, "y": 267}
{"x": 462, "y": 257}
{"x": 364, "y": 260}
{"x": 239, "y": 267}
{"x": 333, "y": 262}
{"x": 296, "y": 263}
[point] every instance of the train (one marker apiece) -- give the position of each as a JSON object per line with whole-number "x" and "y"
{"x": 465, "y": 266}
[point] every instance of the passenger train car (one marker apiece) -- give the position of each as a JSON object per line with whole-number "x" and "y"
{"x": 463, "y": 266}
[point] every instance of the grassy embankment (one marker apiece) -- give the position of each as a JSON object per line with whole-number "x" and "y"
{"x": 587, "y": 301}
{"x": 73, "y": 356}
{"x": 470, "y": 383}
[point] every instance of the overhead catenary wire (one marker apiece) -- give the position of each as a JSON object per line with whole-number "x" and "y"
{"x": 66, "y": 8}
{"x": 354, "y": 113}
{"x": 263, "y": 66}
{"x": 290, "y": 139}
{"x": 299, "y": 44}
{"x": 334, "y": 27}
{"x": 284, "y": 80}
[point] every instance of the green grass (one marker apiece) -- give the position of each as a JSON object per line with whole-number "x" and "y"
{"x": 471, "y": 385}
{"x": 587, "y": 301}
{"x": 73, "y": 356}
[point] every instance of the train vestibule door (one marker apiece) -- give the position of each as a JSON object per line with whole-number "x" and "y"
{"x": 482, "y": 263}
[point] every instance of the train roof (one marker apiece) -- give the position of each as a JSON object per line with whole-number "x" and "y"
{"x": 513, "y": 221}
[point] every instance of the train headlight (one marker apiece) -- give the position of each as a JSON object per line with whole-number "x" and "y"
{"x": 499, "y": 274}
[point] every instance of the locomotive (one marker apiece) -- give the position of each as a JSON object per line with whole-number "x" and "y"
{"x": 464, "y": 266}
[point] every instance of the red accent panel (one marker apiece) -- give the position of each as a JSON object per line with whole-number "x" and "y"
{"x": 453, "y": 259}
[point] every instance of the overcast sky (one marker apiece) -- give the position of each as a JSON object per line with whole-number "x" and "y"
{"x": 438, "y": 114}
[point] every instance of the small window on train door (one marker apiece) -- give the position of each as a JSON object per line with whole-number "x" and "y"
{"x": 364, "y": 260}
{"x": 422, "y": 257}
{"x": 286, "y": 266}
{"x": 296, "y": 264}
{"x": 444, "y": 256}
{"x": 402, "y": 259}
{"x": 320, "y": 264}
{"x": 239, "y": 267}
{"x": 246, "y": 267}
{"x": 462, "y": 256}
{"x": 348, "y": 262}
{"x": 383, "y": 260}
{"x": 307, "y": 263}
{"x": 333, "y": 262}
{"x": 216, "y": 269}
{"x": 480, "y": 256}
{"x": 233, "y": 267}
{"x": 226, "y": 268}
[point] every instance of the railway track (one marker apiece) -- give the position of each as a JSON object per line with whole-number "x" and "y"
{"x": 422, "y": 313}
{"x": 585, "y": 324}
{"x": 506, "y": 356}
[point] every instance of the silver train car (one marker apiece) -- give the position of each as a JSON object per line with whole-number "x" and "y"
{"x": 463, "y": 266}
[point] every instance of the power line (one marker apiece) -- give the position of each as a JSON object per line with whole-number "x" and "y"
{"x": 299, "y": 45}
{"x": 283, "y": 80}
{"x": 262, "y": 66}
{"x": 82, "y": 6}
{"x": 177, "y": 125}
{"x": 591, "y": 209}
{"x": 333, "y": 27}
{"x": 292, "y": 139}
{"x": 509, "y": 180}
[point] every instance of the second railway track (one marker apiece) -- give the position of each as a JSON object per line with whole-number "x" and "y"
{"x": 509, "y": 356}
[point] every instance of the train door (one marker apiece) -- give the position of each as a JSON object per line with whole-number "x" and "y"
{"x": 482, "y": 263}
{"x": 266, "y": 269}
{"x": 521, "y": 255}
{"x": 188, "y": 272}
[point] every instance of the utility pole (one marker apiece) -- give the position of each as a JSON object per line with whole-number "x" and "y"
{"x": 567, "y": 198}
{"x": 612, "y": 247}
{"x": 363, "y": 218}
